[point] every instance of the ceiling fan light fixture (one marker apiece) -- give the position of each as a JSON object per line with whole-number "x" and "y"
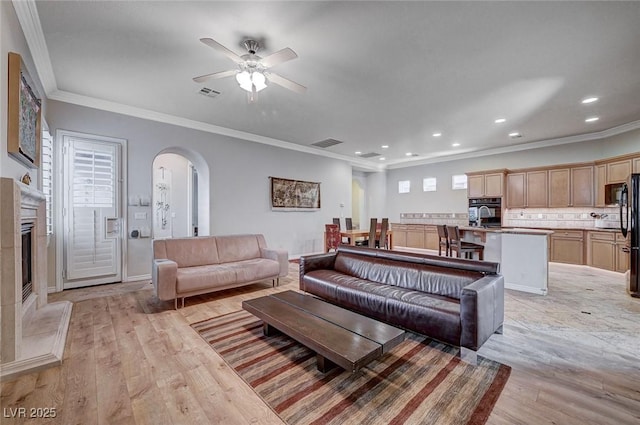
{"x": 248, "y": 81}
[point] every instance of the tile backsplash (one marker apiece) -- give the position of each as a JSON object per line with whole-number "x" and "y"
{"x": 567, "y": 218}
{"x": 451, "y": 219}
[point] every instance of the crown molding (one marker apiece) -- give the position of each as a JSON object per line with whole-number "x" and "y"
{"x": 30, "y": 23}
{"x": 90, "y": 102}
{"x": 614, "y": 131}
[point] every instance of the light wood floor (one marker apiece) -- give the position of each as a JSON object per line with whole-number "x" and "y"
{"x": 130, "y": 359}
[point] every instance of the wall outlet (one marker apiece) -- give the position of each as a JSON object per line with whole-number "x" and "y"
{"x": 539, "y": 215}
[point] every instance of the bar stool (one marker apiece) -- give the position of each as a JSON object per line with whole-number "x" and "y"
{"x": 443, "y": 240}
{"x": 460, "y": 246}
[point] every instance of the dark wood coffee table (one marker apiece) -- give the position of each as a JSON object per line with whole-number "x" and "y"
{"x": 338, "y": 336}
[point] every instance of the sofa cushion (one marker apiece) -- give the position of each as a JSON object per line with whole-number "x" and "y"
{"x": 431, "y": 279}
{"x": 255, "y": 269}
{"x": 238, "y": 247}
{"x": 191, "y": 279}
{"x": 429, "y": 314}
{"x": 189, "y": 252}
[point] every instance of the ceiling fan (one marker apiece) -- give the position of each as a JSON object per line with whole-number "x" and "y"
{"x": 253, "y": 72}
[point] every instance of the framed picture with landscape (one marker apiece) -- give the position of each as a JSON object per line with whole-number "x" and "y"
{"x": 294, "y": 195}
{"x": 24, "y": 113}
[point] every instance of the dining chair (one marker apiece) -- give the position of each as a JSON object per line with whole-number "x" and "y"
{"x": 336, "y": 221}
{"x": 332, "y": 237}
{"x": 382, "y": 241}
{"x": 462, "y": 247}
{"x": 348, "y": 223}
{"x": 443, "y": 240}
{"x": 373, "y": 228}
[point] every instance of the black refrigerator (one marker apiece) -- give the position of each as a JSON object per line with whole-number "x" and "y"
{"x": 630, "y": 225}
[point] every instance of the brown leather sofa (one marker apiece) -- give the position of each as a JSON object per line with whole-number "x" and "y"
{"x": 183, "y": 267}
{"x": 456, "y": 301}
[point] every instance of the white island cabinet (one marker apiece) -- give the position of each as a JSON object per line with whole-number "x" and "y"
{"x": 523, "y": 255}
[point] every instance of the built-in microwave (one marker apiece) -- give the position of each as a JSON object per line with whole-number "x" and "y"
{"x": 612, "y": 193}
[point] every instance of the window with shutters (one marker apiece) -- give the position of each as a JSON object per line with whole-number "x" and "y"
{"x": 47, "y": 178}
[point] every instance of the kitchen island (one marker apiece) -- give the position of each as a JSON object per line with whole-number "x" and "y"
{"x": 523, "y": 255}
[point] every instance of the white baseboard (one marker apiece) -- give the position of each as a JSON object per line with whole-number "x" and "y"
{"x": 136, "y": 278}
{"x": 523, "y": 288}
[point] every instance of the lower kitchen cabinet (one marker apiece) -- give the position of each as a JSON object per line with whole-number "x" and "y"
{"x": 567, "y": 246}
{"x": 605, "y": 251}
{"x": 415, "y": 236}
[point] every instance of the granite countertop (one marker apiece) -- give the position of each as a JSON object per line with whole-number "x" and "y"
{"x": 511, "y": 230}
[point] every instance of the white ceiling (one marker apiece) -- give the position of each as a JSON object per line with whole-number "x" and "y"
{"x": 378, "y": 73}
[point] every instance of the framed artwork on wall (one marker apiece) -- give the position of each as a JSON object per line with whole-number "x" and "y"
{"x": 294, "y": 195}
{"x": 24, "y": 113}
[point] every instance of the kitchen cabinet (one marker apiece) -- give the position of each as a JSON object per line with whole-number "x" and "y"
{"x": 567, "y": 246}
{"x": 527, "y": 189}
{"x": 560, "y": 188}
{"x": 601, "y": 252}
{"x": 415, "y": 236}
{"x": 622, "y": 258}
{"x": 485, "y": 185}
{"x": 636, "y": 165}
{"x": 601, "y": 180}
{"x": 582, "y": 186}
{"x": 618, "y": 171}
{"x": 605, "y": 251}
{"x": 431, "y": 237}
{"x": 516, "y": 190}
{"x": 399, "y": 234}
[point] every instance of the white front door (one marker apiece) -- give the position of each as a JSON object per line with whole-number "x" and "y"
{"x": 92, "y": 211}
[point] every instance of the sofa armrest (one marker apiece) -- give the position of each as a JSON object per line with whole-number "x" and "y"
{"x": 481, "y": 310}
{"x": 279, "y": 255}
{"x": 164, "y": 273}
{"x": 310, "y": 263}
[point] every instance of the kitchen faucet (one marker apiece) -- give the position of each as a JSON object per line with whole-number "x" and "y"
{"x": 480, "y": 213}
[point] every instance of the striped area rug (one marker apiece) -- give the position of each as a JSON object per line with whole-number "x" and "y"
{"x": 420, "y": 381}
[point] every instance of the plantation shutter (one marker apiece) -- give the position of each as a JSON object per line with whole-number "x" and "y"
{"x": 92, "y": 195}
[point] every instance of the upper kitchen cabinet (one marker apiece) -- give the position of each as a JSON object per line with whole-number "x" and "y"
{"x": 618, "y": 171}
{"x": 636, "y": 165}
{"x": 601, "y": 180}
{"x": 485, "y": 184}
{"x": 571, "y": 187}
{"x": 527, "y": 189}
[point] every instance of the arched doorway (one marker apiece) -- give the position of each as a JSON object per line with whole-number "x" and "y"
{"x": 180, "y": 194}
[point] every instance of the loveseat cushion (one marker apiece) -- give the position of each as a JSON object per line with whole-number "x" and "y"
{"x": 255, "y": 269}
{"x": 431, "y": 279}
{"x": 191, "y": 279}
{"x": 187, "y": 252}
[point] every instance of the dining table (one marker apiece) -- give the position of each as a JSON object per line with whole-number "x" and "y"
{"x": 362, "y": 233}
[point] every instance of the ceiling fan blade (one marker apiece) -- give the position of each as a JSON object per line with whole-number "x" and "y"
{"x": 219, "y": 47}
{"x": 278, "y": 57}
{"x": 222, "y": 74}
{"x": 286, "y": 83}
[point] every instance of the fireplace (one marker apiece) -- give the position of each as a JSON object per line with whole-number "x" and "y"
{"x": 27, "y": 260}
{"x": 33, "y": 330}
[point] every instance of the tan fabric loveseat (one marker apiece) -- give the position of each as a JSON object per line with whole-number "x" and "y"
{"x": 184, "y": 267}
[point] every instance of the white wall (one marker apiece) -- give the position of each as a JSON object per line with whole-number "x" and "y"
{"x": 12, "y": 40}
{"x": 239, "y": 179}
{"x": 447, "y": 200}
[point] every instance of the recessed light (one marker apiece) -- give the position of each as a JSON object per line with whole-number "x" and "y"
{"x": 437, "y": 134}
{"x": 592, "y": 119}
{"x": 590, "y": 99}
{"x": 408, "y": 154}
{"x": 500, "y": 120}
{"x": 358, "y": 153}
{"x": 455, "y": 145}
{"x": 382, "y": 158}
{"x": 385, "y": 146}
{"x": 515, "y": 134}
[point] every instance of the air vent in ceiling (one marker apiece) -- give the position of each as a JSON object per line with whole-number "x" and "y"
{"x": 326, "y": 143}
{"x": 205, "y": 91}
{"x": 369, "y": 155}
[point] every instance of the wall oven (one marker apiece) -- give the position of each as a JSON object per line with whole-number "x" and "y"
{"x": 486, "y": 212}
